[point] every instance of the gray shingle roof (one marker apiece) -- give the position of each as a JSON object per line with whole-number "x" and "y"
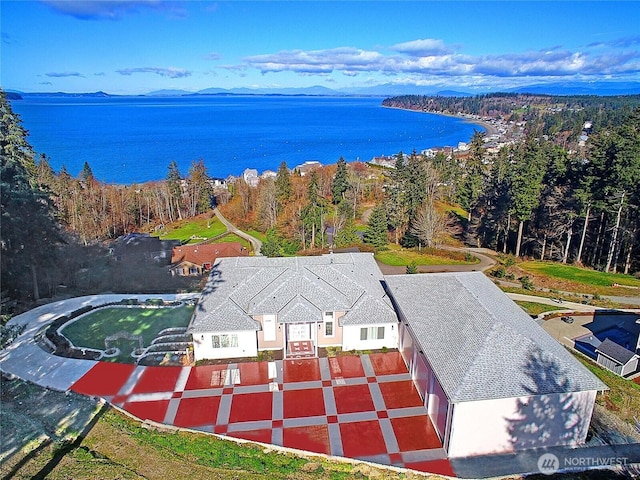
{"x": 297, "y": 289}
{"x": 614, "y": 351}
{"x": 480, "y": 344}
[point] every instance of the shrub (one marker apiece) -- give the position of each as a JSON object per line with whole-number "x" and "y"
{"x": 527, "y": 283}
{"x": 499, "y": 273}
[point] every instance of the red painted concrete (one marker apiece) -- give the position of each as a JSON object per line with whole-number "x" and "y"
{"x": 400, "y": 394}
{"x": 348, "y": 366}
{"x": 301, "y": 370}
{"x": 196, "y": 412}
{"x": 296, "y": 413}
{"x": 208, "y": 376}
{"x": 153, "y": 410}
{"x": 314, "y": 438}
{"x": 157, "y": 379}
{"x": 415, "y": 433}
{"x": 250, "y": 407}
{"x": 104, "y": 379}
{"x": 353, "y": 398}
{"x": 303, "y": 403}
{"x": 256, "y": 373}
{"x": 362, "y": 439}
{"x": 387, "y": 363}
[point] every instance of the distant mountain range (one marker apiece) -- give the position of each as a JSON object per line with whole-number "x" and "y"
{"x": 389, "y": 90}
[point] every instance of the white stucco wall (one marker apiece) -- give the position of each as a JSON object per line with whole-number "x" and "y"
{"x": 351, "y": 337}
{"x": 483, "y": 427}
{"x": 203, "y": 346}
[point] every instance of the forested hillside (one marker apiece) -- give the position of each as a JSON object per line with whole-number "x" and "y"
{"x": 559, "y": 117}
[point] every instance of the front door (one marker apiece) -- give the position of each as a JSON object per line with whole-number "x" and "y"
{"x": 300, "y": 342}
{"x": 299, "y": 331}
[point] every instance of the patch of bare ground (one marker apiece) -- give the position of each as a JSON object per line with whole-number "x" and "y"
{"x": 608, "y": 429}
{"x": 32, "y": 417}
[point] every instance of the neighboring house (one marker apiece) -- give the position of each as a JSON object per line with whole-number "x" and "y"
{"x": 293, "y": 305}
{"x": 142, "y": 245}
{"x": 307, "y": 167}
{"x": 250, "y": 176}
{"x": 492, "y": 380}
{"x": 218, "y": 183}
{"x": 616, "y": 358}
{"x": 188, "y": 260}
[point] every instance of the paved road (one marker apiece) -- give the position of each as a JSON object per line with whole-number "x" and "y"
{"x": 486, "y": 262}
{"x": 255, "y": 243}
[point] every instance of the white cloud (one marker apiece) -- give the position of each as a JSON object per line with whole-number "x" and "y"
{"x": 431, "y": 57}
{"x": 170, "y": 72}
{"x": 423, "y": 48}
{"x": 111, "y": 9}
{"x": 64, "y": 74}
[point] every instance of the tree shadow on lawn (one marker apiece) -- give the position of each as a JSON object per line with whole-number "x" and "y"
{"x": 35, "y": 416}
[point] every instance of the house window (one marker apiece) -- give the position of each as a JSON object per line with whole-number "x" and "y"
{"x": 328, "y": 324}
{"x": 193, "y": 270}
{"x": 225, "y": 340}
{"x": 269, "y": 327}
{"x": 372, "y": 333}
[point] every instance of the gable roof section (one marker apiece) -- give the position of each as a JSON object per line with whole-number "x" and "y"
{"x": 480, "y": 344}
{"x": 615, "y": 351}
{"x": 297, "y": 289}
{"x": 206, "y": 253}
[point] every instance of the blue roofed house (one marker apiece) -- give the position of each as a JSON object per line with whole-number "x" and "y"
{"x": 492, "y": 380}
{"x": 293, "y": 305}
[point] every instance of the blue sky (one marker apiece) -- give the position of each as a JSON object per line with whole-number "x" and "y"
{"x": 132, "y": 47}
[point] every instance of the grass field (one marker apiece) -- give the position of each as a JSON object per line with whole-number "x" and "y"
{"x": 592, "y": 281}
{"x": 533, "y": 308}
{"x": 396, "y": 256}
{"x": 623, "y": 396}
{"x": 193, "y": 230}
{"x": 91, "y": 330}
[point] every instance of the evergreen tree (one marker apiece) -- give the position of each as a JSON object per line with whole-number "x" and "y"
{"x": 526, "y": 184}
{"x": 340, "y": 182}
{"x": 272, "y": 246}
{"x": 283, "y": 185}
{"x": 174, "y": 187}
{"x": 29, "y": 233}
{"x": 312, "y": 214}
{"x": 376, "y": 232}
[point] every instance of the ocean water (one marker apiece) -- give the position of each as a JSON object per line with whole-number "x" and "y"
{"x": 133, "y": 139}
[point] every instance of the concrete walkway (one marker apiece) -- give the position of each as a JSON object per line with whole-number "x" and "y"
{"x": 255, "y": 243}
{"x": 26, "y": 360}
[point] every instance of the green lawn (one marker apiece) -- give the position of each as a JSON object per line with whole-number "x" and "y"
{"x": 91, "y": 330}
{"x": 533, "y": 308}
{"x": 257, "y": 234}
{"x": 195, "y": 230}
{"x": 624, "y": 395}
{"x": 584, "y": 276}
{"x": 401, "y": 257}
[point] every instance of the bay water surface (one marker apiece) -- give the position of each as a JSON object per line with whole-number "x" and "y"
{"x": 133, "y": 139}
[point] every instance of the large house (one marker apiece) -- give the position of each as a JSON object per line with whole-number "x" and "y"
{"x": 193, "y": 260}
{"x": 294, "y": 306}
{"x": 491, "y": 379}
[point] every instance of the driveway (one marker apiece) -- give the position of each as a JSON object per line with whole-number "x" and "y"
{"x": 255, "y": 243}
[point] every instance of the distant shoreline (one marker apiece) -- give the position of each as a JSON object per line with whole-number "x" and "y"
{"x": 489, "y": 128}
